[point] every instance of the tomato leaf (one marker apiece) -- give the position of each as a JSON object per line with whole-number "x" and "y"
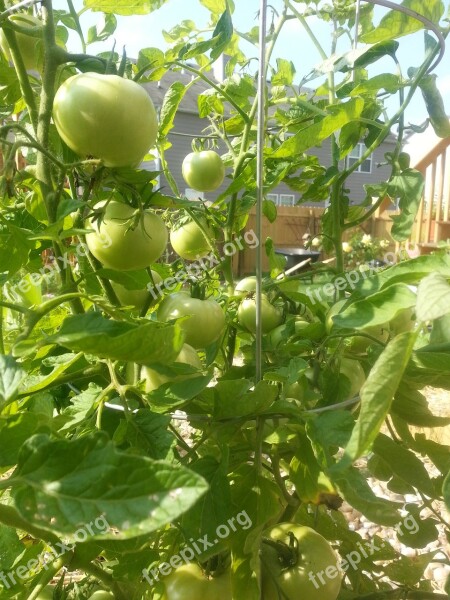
{"x": 124, "y": 7}
{"x": 314, "y": 134}
{"x": 408, "y": 188}
{"x": 144, "y": 344}
{"x": 60, "y": 485}
{"x": 377, "y": 394}
{"x": 11, "y": 375}
{"x": 433, "y": 297}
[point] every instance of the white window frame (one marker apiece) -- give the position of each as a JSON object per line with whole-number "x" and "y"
{"x": 291, "y": 198}
{"x": 356, "y": 154}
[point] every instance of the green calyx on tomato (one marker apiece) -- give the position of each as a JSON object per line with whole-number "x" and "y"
{"x": 191, "y": 241}
{"x": 137, "y": 299}
{"x": 297, "y": 562}
{"x": 125, "y": 240}
{"x": 188, "y": 582}
{"x": 206, "y": 318}
{"x": 203, "y": 171}
{"x": 354, "y": 373}
{"x": 271, "y": 316}
{"x": 30, "y": 46}
{"x": 107, "y": 117}
{"x": 188, "y": 356}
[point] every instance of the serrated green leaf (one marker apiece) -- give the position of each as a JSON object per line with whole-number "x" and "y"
{"x": 408, "y": 187}
{"x": 433, "y": 297}
{"x": 62, "y": 485}
{"x": 11, "y": 376}
{"x": 396, "y": 23}
{"x": 377, "y": 309}
{"x": 144, "y": 344}
{"x": 377, "y": 395}
{"x": 15, "y": 430}
{"x": 124, "y": 7}
{"x": 314, "y": 134}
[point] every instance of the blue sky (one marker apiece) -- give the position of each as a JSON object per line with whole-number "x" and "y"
{"x": 144, "y": 31}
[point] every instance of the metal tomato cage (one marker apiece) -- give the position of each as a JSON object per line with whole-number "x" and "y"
{"x": 261, "y": 126}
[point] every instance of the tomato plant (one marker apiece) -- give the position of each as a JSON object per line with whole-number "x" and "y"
{"x": 107, "y": 117}
{"x": 146, "y": 427}
{"x": 292, "y": 558}
{"x": 206, "y": 318}
{"x": 189, "y": 583}
{"x": 125, "y": 240}
{"x": 203, "y": 171}
{"x": 191, "y": 240}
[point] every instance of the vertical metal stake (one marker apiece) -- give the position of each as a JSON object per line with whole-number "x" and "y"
{"x": 260, "y": 142}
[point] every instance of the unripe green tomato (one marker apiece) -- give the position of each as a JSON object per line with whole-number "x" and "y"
{"x": 203, "y": 171}
{"x": 136, "y": 298}
{"x": 153, "y": 380}
{"x": 122, "y": 248}
{"x": 30, "y": 47}
{"x": 294, "y": 582}
{"x": 190, "y": 241}
{"x": 334, "y": 310}
{"x": 206, "y": 322}
{"x": 403, "y": 321}
{"x": 271, "y": 316}
{"x": 101, "y": 595}
{"x": 279, "y": 335}
{"x": 246, "y": 285}
{"x": 29, "y": 292}
{"x": 359, "y": 344}
{"x": 189, "y": 583}
{"x": 354, "y": 372}
{"x": 107, "y": 117}
{"x": 46, "y": 593}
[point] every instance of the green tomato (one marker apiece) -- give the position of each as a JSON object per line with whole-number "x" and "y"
{"x": 359, "y": 344}
{"x": 315, "y": 575}
{"x": 283, "y": 332}
{"x": 107, "y": 117}
{"x": 101, "y": 595}
{"x": 46, "y": 593}
{"x": 246, "y": 285}
{"x": 271, "y": 316}
{"x": 136, "y": 298}
{"x": 120, "y": 244}
{"x": 203, "y": 171}
{"x": 190, "y": 241}
{"x": 30, "y": 47}
{"x": 189, "y": 583}
{"x": 188, "y": 355}
{"x": 403, "y": 321}
{"x": 334, "y": 310}
{"x": 28, "y": 291}
{"x": 353, "y": 371}
{"x": 207, "y": 319}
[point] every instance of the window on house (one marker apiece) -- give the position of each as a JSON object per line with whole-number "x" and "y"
{"x": 355, "y": 155}
{"x": 287, "y": 200}
{"x": 281, "y": 199}
{"x": 193, "y": 194}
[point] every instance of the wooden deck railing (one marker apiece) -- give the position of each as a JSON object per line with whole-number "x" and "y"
{"x": 433, "y": 219}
